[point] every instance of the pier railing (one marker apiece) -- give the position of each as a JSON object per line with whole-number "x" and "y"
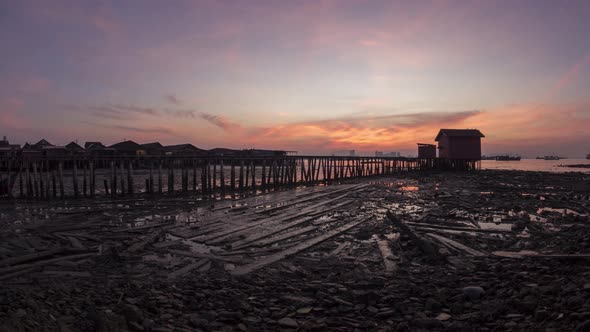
{"x": 37, "y": 177}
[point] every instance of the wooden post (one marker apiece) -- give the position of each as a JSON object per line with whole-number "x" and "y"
{"x": 253, "y": 166}
{"x": 61, "y": 179}
{"x": 20, "y": 183}
{"x": 233, "y": 176}
{"x": 194, "y": 175}
{"x": 92, "y": 179}
{"x": 75, "y": 177}
{"x": 263, "y": 177}
{"x": 84, "y": 182}
{"x": 209, "y": 187}
{"x": 160, "y": 176}
{"x": 130, "y": 177}
{"x": 241, "y": 181}
{"x": 214, "y": 174}
{"x": 247, "y": 177}
{"x": 106, "y": 186}
{"x": 35, "y": 180}
{"x": 113, "y": 179}
{"x": 171, "y": 176}
{"x": 222, "y": 178}
{"x": 150, "y": 188}
{"x": 122, "y": 176}
{"x": 203, "y": 177}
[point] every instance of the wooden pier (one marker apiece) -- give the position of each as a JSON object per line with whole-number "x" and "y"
{"x": 85, "y": 176}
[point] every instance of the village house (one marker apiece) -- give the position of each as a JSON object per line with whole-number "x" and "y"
{"x": 426, "y": 150}
{"x": 75, "y": 148}
{"x": 128, "y": 148}
{"x": 153, "y": 149}
{"x": 223, "y": 152}
{"x": 263, "y": 153}
{"x": 98, "y": 149}
{"x": 459, "y": 144}
{"x": 184, "y": 150}
{"x": 7, "y": 149}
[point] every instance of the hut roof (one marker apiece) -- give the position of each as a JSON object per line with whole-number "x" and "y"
{"x": 153, "y": 146}
{"x": 459, "y": 133}
{"x": 42, "y": 143}
{"x": 126, "y": 146}
{"x": 184, "y": 147}
{"x": 74, "y": 146}
{"x": 93, "y": 145}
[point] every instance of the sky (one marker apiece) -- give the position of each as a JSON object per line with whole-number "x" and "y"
{"x": 312, "y": 76}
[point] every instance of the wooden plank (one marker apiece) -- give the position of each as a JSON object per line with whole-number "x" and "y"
{"x": 387, "y": 254}
{"x": 420, "y": 225}
{"x": 208, "y": 256}
{"x": 29, "y": 257}
{"x": 281, "y": 237}
{"x": 308, "y": 216}
{"x": 13, "y": 271}
{"x": 425, "y": 246}
{"x": 147, "y": 240}
{"x": 456, "y": 245}
{"x": 338, "y": 249}
{"x": 245, "y": 269}
{"x": 184, "y": 270}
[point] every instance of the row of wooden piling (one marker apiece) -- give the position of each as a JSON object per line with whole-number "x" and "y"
{"x": 45, "y": 178}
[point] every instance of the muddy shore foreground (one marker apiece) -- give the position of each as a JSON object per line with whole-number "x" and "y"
{"x": 485, "y": 251}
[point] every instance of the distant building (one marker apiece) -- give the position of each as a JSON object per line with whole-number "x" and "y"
{"x": 42, "y": 143}
{"x": 7, "y": 149}
{"x": 97, "y": 149}
{"x": 75, "y": 148}
{"x": 263, "y": 153}
{"x": 153, "y": 149}
{"x": 54, "y": 151}
{"x": 459, "y": 143}
{"x": 426, "y": 150}
{"x": 183, "y": 150}
{"x": 224, "y": 152}
{"x": 128, "y": 148}
{"x": 93, "y": 145}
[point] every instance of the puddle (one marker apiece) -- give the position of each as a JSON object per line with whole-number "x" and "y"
{"x": 409, "y": 188}
{"x": 486, "y": 193}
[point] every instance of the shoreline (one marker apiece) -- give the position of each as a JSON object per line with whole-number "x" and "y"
{"x": 265, "y": 262}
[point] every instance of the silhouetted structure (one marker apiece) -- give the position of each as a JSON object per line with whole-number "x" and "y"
{"x": 459, "y": 144}
{"x": 128, "y": 148}
{"x": 184, "y": 150}
{"x": 426, "y": 150}
{"x": 153, "y": 149}
{"x": 7, "y": 149}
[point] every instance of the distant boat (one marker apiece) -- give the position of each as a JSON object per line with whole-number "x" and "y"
{"x": 551, "y": 158}
{"x": 507, "y": 158}
{"x": 588, "y": 156}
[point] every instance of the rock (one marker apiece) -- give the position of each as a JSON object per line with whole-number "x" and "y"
{"x": 443, "y": 317}
{"x": 288, "y": 322}
{"x": 20, "y": 313}
{"x": 427, "y": 323}
{"x": 131, "y": 312}
{"x": 372, "y": 309}
{"x": 541, "y": 315}
{"x": 432, "y": 305}
{"x": 304, "y": 310}
{"x": 473, "y": 292}
{"x": 197, "y": 321}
